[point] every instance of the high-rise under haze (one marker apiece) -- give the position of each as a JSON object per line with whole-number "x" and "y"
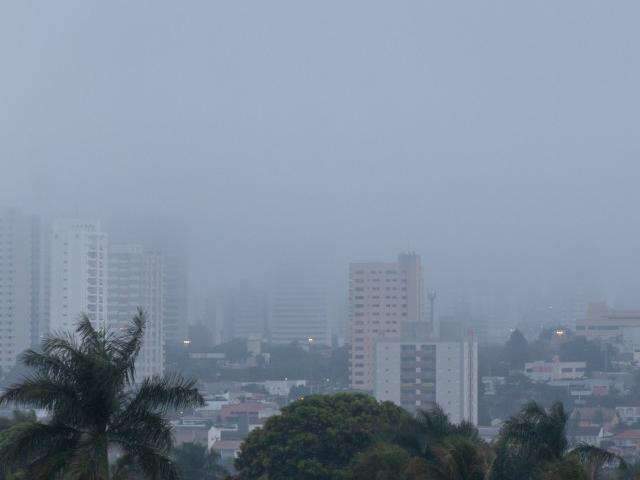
{"x": 245, "y": 312}
{"x": 298, "y": 307}
{"x": 136, "y": 280}
{"x": 21, "y": 284}
{"x": 176, "y": 301}
{"x": 382, "y": 297}
{"x": 78, "y": 274}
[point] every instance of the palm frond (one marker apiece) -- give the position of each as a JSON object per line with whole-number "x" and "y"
{"x": 64, "y": 346}
{"x": 169, "y": 392}
{"x": 28, "y": 441}
{"x": 154, "y": 464}
{"x": 142, "y": 427}
{"x": 127, "y": 346}
{"x": 590, "y": 454}
{"x": 50, "y": 365}
{"x": 90, "y": 340}
{"x": 39, "y": 392}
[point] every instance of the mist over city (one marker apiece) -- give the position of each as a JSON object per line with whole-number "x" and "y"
{"x": 424, "y": 211}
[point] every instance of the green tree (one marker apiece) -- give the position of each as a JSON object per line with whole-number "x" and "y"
{"x": 195, "y": 462}
{"x": 318, "y": 437}
{"x": 383, "y": 461}
{"x": 86, "y": 382}
{"x": 516, "y": 350}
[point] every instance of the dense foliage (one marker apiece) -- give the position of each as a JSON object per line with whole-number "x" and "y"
{"x": 100, "y": 425}
{"x": 318, "y": 437}
{"x": 353, "y": 437}
{"x": 195, "y": 462}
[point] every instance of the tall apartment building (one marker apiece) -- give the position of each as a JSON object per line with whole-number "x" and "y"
{"x": 136, "y": 279}
{"x": 169, "y": 237}
{"x": 382, "y": 297}
{"x": 176, "y": 301}
{"x": 418, "y": 374}
{"x": 298, "y": 308}
{"x": 21, "y": 284}
{"x": 78, "y": 274}
{"x": 245, "y": 312}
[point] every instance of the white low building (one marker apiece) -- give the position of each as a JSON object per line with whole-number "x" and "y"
{"x": 418, "y": 375}
{"x": 541, "y": 371}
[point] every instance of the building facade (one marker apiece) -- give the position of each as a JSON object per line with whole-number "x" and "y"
{"x": 245, "y": 312}
{"x": 298, "y": 308}
{"x": 542, "y": 371}
{"x": 419, "y": 374}
{"x": 136, "y": 280}
{"x": 22, "y": 309}
{"x": 176, "y": 301}
{"x": 382, "y": 297}
{"x": 78, "y": 274}
{"x": 605, "y": 323}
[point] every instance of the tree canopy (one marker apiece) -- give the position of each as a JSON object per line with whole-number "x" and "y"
{"x": 318, "y": 437}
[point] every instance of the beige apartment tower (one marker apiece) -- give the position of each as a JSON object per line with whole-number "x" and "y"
{"x": 383, "y": 296}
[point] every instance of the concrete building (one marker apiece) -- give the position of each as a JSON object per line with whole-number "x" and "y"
{"x": 170, "y": 237}
{"x": 78, "y": 274}
{"x": 418, "y": 374}
{"x": 298, "y": 308}
{"x": 542, "y": 371}
{"x": 22, "y": 309}
{"x": 176, "y": 301}
{"x": 190, "y": 430}
{"x": 136, "y": 279}
{"x": 382, "y": 297}
{"x": 603, "y": 322}
{"x": 245, "y": 312}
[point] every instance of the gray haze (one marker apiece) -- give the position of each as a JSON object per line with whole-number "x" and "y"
{"x": 499, "y": 139}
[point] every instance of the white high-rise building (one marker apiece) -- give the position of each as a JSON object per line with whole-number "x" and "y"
{"x": 78, "y": 274}
{"x": 136, "y": 280}
{"x": 418, "y": 374}
{"x": 21, "y": 284}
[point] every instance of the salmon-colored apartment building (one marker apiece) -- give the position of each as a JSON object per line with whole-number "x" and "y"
{"x": 382, "y": 297}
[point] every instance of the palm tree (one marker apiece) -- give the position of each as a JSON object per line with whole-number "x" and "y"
{"x": 100, "y": 423}
{"x": 537, "y": 432}
{"x": 458, "y": 458}
{"x": 535, "y": 440}
{"x": 451, "y": 451}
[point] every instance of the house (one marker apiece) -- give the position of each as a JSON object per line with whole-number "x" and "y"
{"x": 594, "y": 417}
{"x": 585, "y": 435}
{"x": 228, "y": 449}
{"x": 252, "y": 410}
{"x": 629, "y": 414}
{"x": 190, "y": 431}
{"x": 541, "y": 371}
{"x": 625, "y": 443}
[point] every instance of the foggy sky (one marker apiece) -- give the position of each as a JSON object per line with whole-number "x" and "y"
{"x": 499, "y": 139}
